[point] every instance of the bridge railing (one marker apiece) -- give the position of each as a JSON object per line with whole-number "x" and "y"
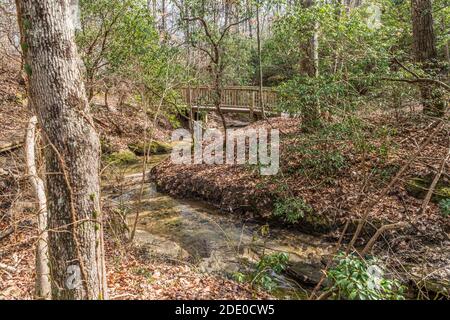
{"x": 244, "y": 97}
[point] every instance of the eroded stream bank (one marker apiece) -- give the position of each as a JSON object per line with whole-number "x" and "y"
{"x": 216, "y": 243}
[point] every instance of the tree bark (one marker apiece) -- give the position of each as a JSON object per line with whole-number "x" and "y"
{"x": 249, "y": 21}
{"x": 58, "y": 97}
{"x": 447, "y": 43}
{"x": 163, "y": 21}
{"x": 310, "y": 62}
{"x": 310, "y": 67}
{"x": 218, "y": 92}
{"x": 260, "y": 72}
{"x": 424, "y": 47}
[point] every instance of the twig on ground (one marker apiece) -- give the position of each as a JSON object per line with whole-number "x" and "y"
{"x": 6, "y": 233}
{"x": 379, "y": 232}
{"x": 434, "y": 183}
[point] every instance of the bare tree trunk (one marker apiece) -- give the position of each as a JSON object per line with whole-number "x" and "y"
{"x": 260, "y": 73}
{"x": 227, "y": 10}
{"x": 218, "y": 95}
{"x": 249, "y": 21}
{"x": 310, "y": 67}
{"x": 57, "y": 94}
{"x": 447, "y": 43}
{"x": 108, "y": 106}
{"x": 426, "y": 54}
{"x": 90, "y": 84}
{"x": 106, "y": 98}
{"x": 43, "y": 289}
{"x": 315, "y": 49}
{"x": 310, "y": 62}
{"x": 163, "y": 20}
{"x": 153, "y": 7}
{"x": 447, "y": 51}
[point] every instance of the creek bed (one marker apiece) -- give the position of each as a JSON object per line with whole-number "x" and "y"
{"x": 215, "y": 242}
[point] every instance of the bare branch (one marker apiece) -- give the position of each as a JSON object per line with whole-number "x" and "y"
{"x": 225, "y": 31}
{"x": 418, "y": 80}
{"x": 379, "y": 232}
{"x": 406, "y": 68}
{"x": 205, "y": 27}
{"x": 435, "y": 182}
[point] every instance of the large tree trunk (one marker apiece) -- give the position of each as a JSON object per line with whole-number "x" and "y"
{"x": 309, "y": 65}
{"x": 426, "y": 54}
{"x": 260, "y": 71}
{"x": 218, "y": 93}
{"x": 57, "y": 95}
{"x": 249, "y": 21}
{"x": 163, "y": 21}
{"x": 447, "y": 43}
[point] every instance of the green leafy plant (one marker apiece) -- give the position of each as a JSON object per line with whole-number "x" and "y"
{"x": 318, "y": 163}
{"x": 354, "y": 279}
{"x": 239, "y": 277}
{"x": 291, "y": 209}
{"x": 266, "y": 271}
{"x": 444, "y": 205}
{"x": 267, "y": 268}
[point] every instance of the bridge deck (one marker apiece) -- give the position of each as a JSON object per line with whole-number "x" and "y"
{"x": 235, "y": 99}
{"x": 230, "y": 109}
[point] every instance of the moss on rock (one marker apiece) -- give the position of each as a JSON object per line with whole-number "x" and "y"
{"x": 122, "y": 157}
{"x": 156, "y": 147}
{"x": 418, "y": 187}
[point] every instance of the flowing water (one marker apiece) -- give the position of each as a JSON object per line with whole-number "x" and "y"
{"x": 213, "y": 241}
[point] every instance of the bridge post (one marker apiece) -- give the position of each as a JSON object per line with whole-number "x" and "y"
{"x": 191, "y": 115}
{"x": 252, "y": 106}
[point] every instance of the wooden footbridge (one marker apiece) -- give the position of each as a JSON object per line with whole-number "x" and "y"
{"x": 235, "y": 99}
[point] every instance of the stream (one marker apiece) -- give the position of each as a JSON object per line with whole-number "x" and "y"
{"x": 215, "y": 242}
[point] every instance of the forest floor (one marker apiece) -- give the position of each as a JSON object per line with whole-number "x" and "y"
{"x": 131, "y": 274}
